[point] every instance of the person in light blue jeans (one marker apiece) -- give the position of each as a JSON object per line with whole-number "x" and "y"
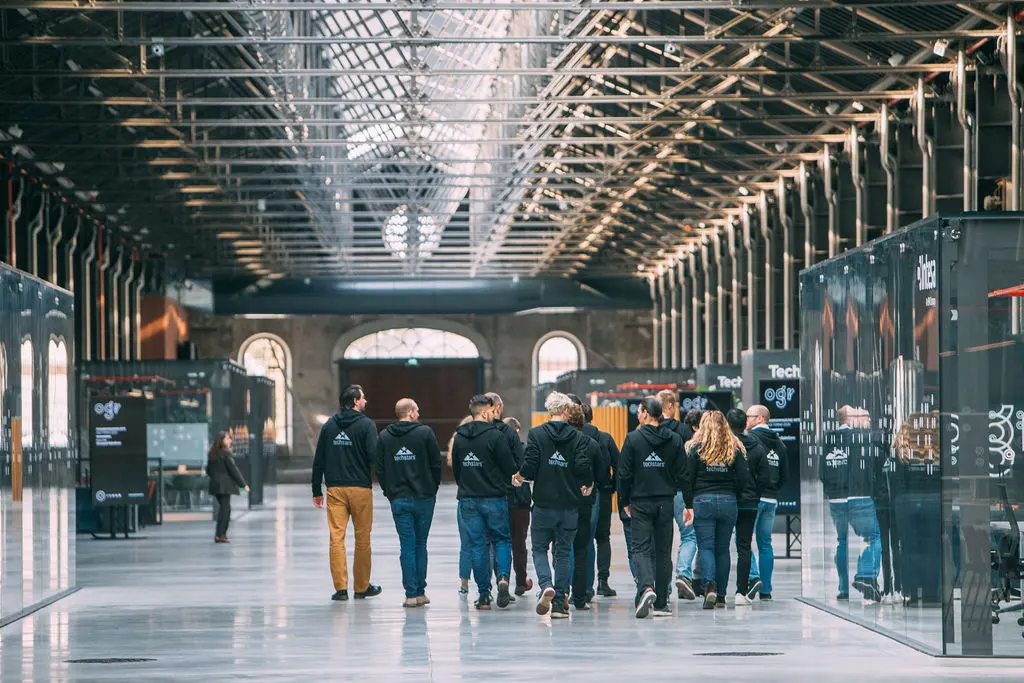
{"x": 714, "y": 518}
{"x": 687, "y": 548}
{"x": 859, "y": 514}
{"x": 762, "y": 563}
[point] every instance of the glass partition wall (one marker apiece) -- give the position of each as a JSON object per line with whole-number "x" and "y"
{"x": 912, "y": 407}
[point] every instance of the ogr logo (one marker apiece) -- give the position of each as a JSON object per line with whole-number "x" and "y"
{"x": 780, "y": 397}
{"x": 695, "y": 403}
{"x": 101, "y": 496}
{"x": 108, "y": 410}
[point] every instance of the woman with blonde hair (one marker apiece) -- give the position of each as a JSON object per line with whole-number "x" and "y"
{"x": 715, "y": 475}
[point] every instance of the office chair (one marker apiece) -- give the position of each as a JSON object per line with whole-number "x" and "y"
{"x": 1008, "y": 565}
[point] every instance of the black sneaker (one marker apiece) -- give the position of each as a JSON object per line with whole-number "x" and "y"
{"x": 766, "y": 596}
{"x": 581, "y": 606}
{"x": 720, "y": 602}
{"x": 370, "y": 592}
{"x": 843, "y": 597}
{"x": 340, "y": 596}
{"x": 604, "y": 590}
{"x": 710, "y": 597}
{"x": 484, "y": 601}
{"x": 503, "y": 596}
{"x": 755, "y": 587}
{"x": 684, "y": 589}
{"x": 560, "y": 609}
{"x": 643, "y": 607}
{"x": 544, "y": 601}
{"x": 663, "y": 611}
{"x": 869, "y": 589}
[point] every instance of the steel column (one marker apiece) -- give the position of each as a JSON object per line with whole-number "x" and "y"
{"x": 927, "y": 146}
{"x": 126, "y": 342}
{"x": 663, "y": 316}
{"x": 655, "y": 320}
{"x": 695, "y": 315}
{"x": 966, "y": 121}
{"x": 716, "y": 241}
{"x": 832, "y": 199}
{"x": 137, "y": 312}
{"x": 709, "y": 322}
{"x": 857, "y": 174}
{"x": 673, "y": 316}
{"x": 115, "y": 305}
{"x": 684, "y": 312}
{"x": 749, "y": 245}
{"x": 769, "y": 304}
{"x": 787, "y": 265}
{"x": 737, "y": 304}
{"x": 889, "y": 167}
{"x": 85, "y": 301}
{"x": 805, "y": 209}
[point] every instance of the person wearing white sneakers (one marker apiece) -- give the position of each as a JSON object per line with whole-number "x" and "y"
{"x": 748, "y": 503}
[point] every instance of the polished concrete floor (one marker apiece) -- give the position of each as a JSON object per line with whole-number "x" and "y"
{"x": 259, "y": 610}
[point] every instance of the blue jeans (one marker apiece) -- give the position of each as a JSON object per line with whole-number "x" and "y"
{"x": 858, "y": 513}
{"x": 465, "y": 556}
{"x": 687, "y": 541}
{"x": 553, "y": 528}
{"x": 412, "y": 522}
{"x": 627, "y": 532}
{"x": 483, "y": 519}
{"x": 714, "y": 518}
{"x": 765, "y": 555}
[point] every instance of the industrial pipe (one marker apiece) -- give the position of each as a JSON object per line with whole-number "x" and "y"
{"x": 13, "y": 214}
{"x": 889, "y": 167}
{"x": 137, "y": 312}
{"x": 1013, "y": 85}
{"x": 673, "y": 317}
{"x": 53, "y": 238}
{"x": 787, "y": 265}
{"x": 663, "y": 315}
{"x": 695, "y": 312}
{"x": 769, "y": 303}
{"x": 69, "y": 255}
{"x": 101, "y": 303}
{"x": 805, "y": 209}
{"x": 709, "y": 322}
{"x": 656, "y": 335}
{"x": 926, "y": 145}
{"x": 962, "y": 115}
{"x": 115, "y": 305}
{"x": 748, "y": 245}
{"x": 736, "y": 303}
{"x": 832, "y": 198}
{"x": 85, "y": 301}
{"x": 684, "y": 312}
{"x": 35, "y": 227}
{"x": 125, "y": 343}
{"x": 716, "y": 241}
{"x": 857, "y": 174}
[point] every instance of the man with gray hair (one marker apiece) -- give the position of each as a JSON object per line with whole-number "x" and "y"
{"x": 556, "y": 460}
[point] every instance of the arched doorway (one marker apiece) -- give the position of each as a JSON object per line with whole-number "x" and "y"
{"x": 440, "y": 369}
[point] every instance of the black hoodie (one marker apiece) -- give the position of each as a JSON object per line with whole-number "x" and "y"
{"x": 758, "y": 469}
{"x": 518, "y": 497}
{"x": 701, "y": 478}
{"x": 680, "y": 428}
{"x": 651, "y": 464}
{"x": 610, "y": 455}
{"x": 557, "y": 461}
{"x": 408, "y": 462}
{"x": 852, "y": 466}
{"x": 345, "y": 451}
{"x": 778, "y": 461}
{"x": 481, "y": 461}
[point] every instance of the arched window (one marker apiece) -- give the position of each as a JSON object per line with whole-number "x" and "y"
{"x": 27, "y": 391}
{"x": 57, "y": 393}
{"x": 269, "y": 356}
{"x": 557, "y": 353}
{"x": 411, "y": 342}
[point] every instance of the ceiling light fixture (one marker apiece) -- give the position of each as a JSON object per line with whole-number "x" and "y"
{"x": 16, "y": 131}
{"x": 895, "y": 59}
{"x": 833, "y": 108}
{"x": 941, "y": 47}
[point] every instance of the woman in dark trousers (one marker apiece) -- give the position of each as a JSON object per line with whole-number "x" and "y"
{"x": 225, "y": 481}
{"x": 714, "y": 478}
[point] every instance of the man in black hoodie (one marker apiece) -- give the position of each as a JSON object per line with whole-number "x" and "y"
{"x": 747, "y": 504}
{"x": 408, "y": 466}
{"x": 763, "y": 565}
{"x": 483, "y": 465}
{"x": 650, "y": 471}
{"x": 669, "y": 399}
{"x": 582, "y": 573}
{"x": 344, "y": 459}
{"x": 601, "y": 518}
{"x": 556, "y": 460}
{"x": 519, "y": 499}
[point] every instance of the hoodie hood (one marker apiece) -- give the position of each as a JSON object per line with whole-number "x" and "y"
{"x": 402, "y": 428}
{"x": 348, "y": 417}
{"x": 560, "y": 432}
{"x": 669, "y": 423}
{"x": 655, "y": 436}
{"x": 473, "y": 429}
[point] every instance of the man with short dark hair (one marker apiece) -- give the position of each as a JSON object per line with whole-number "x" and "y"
{"x": 408, "y": 466}
{"x": 747, "y": 504}
{"x": 519, "y": 499}
{"x": 483, "y": 465}
{"x": 650, "y": 472}
{"x": 762, "y": 566}
{"x": 344, "y": 459}
{"x": 687, "y": 535}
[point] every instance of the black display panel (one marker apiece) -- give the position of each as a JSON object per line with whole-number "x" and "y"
{"x": 782, "y": 397}
{"x": 117, "y": 444}
{"x": 704, "y": 400}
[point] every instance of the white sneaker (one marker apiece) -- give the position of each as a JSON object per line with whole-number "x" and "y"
{"x": 743, "y": 601}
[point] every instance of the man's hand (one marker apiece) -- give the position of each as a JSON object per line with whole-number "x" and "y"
{"x": 587, "y": 490}
{"x": 247, "y": 488}
{"x": 626, "y": 510}
{"x": 517, "y": 480}
{"x": 688, "y": 517}
{"x": 318, "y": 501}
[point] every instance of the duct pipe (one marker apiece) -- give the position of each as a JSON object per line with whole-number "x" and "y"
{"x": 695, "y": 309}
{"x": 85, "y": 301}
{"x": 805, "y": 209}
{"x": 832, "y": 197}
{"x": 769, "y": 304}
{"x": 1011, "y": 77}
{"x": 787, "y": 265}
{"x": 13, "y": 214}
{"x": 101, "y": 304}
{"x": 35, "y": 227}
{"x": 709, "y": 322}
{"x": 69, "y": 255}
{"x": 736, "y": 303}
{"x": 716, "y": 241}
{"x": 115, "y": 305}
{"x": 889, "y": 166}
{"x": 663, "y": 315}
{"x": 684, "y": 312}
{"x": 137, "y": 312}
{"x": 857, "y": 173}
{"x": 969, "y": 169}
{"x": 53, "y": 241}
{"x": 673, "y": 317}
{"x": 127, "y": 333}
{"x": 925, "y": 144}
{"x": 748, "y": 245}
{"x": 655, "y": 334}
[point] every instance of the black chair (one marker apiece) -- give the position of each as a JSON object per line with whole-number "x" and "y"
{"x": 1008, "y": 566}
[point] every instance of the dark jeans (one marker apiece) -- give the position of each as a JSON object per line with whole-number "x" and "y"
{"x": 601, "y": 522}
{"x": 714, "y": 518}
{"x": 520, "y": 522}
{"x": 583, "y": 540}
{"x": 627, "y": 533}
{"x": 919, "y": 517}
{"x": 892, "y": 558}
{"x": 465, "y": 556}
{"x": 223, "y": 514}
{"x": 553, "y": 528}
{"x": 652, "y": 520}
{"x": 745, "y": 521}
{"x": 412, "y": 522}
{"x": 486, "y": 519}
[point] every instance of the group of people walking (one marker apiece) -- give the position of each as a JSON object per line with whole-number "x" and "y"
{"x": 711, "y": 474}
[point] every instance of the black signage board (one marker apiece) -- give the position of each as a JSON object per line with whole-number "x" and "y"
{"x": 704, "y": 400}
{"x": 720, "y": 377}
{"x": 782, "y": 397}
{"x": 632, "y": 421}
{"x": 117, "y": 450}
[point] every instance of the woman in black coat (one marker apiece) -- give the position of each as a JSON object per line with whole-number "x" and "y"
{"x": 225, "y": 481}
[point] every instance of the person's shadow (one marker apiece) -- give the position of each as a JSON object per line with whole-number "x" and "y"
{"x": 415, "y": 640}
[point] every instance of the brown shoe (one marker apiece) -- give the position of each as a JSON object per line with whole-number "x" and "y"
{"x": 221, "y": 539}
{"x": 423, "y": 600}
{"x": 411, "y": 602}
{"x": 524, "y": 588}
